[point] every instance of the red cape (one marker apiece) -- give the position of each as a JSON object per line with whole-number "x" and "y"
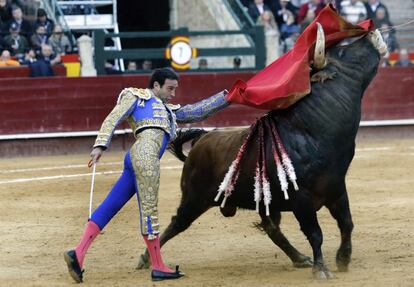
{"x": 287, "y": 79}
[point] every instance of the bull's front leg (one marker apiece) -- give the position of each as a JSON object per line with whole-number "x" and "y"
{"x": 340, "y": 211}
{"x": 306, "y": 215}
{"x": 271, "y": 227}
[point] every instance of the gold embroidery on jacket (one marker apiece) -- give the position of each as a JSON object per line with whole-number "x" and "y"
{"x": 160, "y": 114}
{"x": 158, "y": 106}
{"x": 155, "y": 123}
{"x": 125, "y": 103}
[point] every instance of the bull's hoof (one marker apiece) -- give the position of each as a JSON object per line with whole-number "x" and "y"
{"x": 323, "y": 274}
{"x": 342, "y": 260}
{"x": 143, "y": 262}
{"x": 228, "y": 210}
{"x": 305, "y": 262}
{"x": 342, "y": 266}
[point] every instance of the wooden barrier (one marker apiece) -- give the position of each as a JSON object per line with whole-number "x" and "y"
{"x": 390, "y": 96}
{"x": 23, "y": 71}
{"x": 47, "y": 105}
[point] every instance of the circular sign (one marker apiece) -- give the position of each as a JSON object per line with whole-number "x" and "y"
{"x": 181, "y": 53}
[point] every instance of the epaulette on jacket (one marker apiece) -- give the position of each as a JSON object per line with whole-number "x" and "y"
{"x": 142, "y": 94}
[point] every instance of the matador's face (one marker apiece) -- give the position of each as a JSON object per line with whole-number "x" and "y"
{"x": 167, "y": 91}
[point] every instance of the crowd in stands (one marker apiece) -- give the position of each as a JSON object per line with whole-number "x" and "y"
{"x": 30, "y": 38}
{"x": 284, "y": 20}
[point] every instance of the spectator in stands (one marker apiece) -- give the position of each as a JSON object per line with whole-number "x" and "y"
{"x": 308, "y": 12}
{"x": 43, "y": 66}
{"x": 384, "y": 61}
{"x": 372, "y": 6}
{"x": 404, "y": 60}
{"x": 15, "y": 42}
{"x": 29, "y": 9}
{"x": 59, "y": 42}
{"x": 6, "y": 60}
{"x": 202, "y": 64}
{"x": 43, "y": 20}
{"x": 388, "y": 34}
{"x": 353, "y": 11}
{"x": 132, "y": 66}
{"x": 147, "y": 65}
{"x": 267, "y": 20}
{"x": 28, "y": 58}
{"x": 38, "y": 39}
{"x": 257, "y": 8}
{"x": 111, "y": 69}
{"x": 236, "y": 63}
{"x": 274, "y": 6}
{"x": 5, "y": 12}
{"x": 281, "y": 12}
{"x": 381, "y": 18}
{"x": 289, "y": 33}
{"x": 24, "y": 26}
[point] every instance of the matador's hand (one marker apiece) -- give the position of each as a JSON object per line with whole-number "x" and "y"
{"x": 95, "y": 156}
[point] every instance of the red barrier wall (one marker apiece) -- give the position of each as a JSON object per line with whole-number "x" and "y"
{"x": 24, "y": 71}
{"x": 390, "y": 95}
{"x": 60, "y": 104}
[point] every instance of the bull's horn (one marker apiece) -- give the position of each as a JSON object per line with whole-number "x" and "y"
{"x": 319, "y": 61}
{"x": 378, "y": 42}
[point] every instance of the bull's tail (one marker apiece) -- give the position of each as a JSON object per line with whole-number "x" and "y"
{"x": 183, "y": 136}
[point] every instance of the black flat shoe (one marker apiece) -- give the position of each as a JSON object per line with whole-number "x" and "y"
{"x": 75, "y": 270}
{"x": 157, "y": 275}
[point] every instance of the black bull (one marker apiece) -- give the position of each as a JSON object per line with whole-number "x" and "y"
{"x": 319, "y": 135}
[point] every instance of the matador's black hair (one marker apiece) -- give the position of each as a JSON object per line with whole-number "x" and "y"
{"x": 160, "y": 75}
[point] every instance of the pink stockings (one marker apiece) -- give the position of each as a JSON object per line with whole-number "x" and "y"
{"x": 155, "y": 254}
{"x": 91, "y": 232}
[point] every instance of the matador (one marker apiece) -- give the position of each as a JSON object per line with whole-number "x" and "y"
{"x": 154, "y": 123}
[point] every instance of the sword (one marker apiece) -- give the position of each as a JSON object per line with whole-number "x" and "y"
{"x": 91, "y": 194}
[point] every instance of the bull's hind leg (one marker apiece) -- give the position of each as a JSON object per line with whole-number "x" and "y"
{"x": 187, "y": 212}
{"x": 271, "y": 227}
{"x": 305, "y": 213}
{"x": 340, "y": 211}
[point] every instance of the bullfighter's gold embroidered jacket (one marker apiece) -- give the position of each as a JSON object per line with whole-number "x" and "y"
{"x": 142, "y": 109}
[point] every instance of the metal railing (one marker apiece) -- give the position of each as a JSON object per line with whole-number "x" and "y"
{"x": 240, "y": 14}
{"x": 256, "y": 34}
{"x": 54, "y": 12}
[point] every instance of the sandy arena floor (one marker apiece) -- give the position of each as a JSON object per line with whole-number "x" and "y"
{"x": 44, "y": 205}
